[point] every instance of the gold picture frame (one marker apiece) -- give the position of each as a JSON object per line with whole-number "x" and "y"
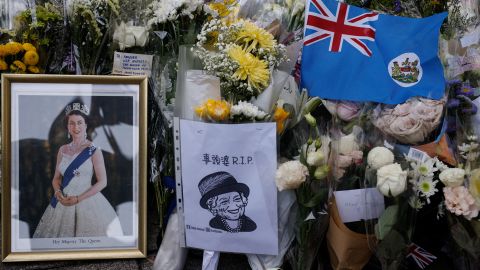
{"x": 42, "y": 140}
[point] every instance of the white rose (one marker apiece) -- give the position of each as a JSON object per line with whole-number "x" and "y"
{"x": 346, "y": 144}
{"x": 379, "y": 157}
{"x": 452, "y": 177}
{"x": 129, "y": 36}
{"x": 290, "y": 175}
{"x": 391, "y": 180}
{"x": 315, "y": 158}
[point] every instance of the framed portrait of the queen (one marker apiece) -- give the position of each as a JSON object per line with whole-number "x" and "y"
{"x": 73, "y": 167}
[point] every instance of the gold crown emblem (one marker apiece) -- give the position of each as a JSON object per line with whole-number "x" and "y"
{"x": 77, "y": 107}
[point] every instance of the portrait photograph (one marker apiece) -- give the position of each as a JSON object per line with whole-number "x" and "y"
{"x": 74, "y": 166}
{"x": 228, "y": 195}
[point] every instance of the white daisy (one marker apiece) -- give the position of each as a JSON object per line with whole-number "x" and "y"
{"x": 426, "y": 168}
{"x": 426, "y": 187}
{"x": 439, "y": 164}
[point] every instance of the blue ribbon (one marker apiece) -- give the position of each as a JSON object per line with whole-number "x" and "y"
{"x": 70, "y": 171}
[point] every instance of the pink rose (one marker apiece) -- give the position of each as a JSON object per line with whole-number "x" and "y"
{"x": 357, "y": 156}
{"x": 408, "y": 130}
{"x": 430, "y": 114}
{"x": 343, "y": 161}
{"x": 402, "y": 109}
{"x": 345, "y": 110}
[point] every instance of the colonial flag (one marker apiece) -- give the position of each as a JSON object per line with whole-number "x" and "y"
{"x": 350, "y": 53}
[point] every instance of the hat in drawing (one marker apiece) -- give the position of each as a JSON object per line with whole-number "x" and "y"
{"x": 219, "y": 183}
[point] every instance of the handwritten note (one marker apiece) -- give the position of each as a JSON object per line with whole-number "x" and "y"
{"x": 132, "y": 64}
{"x": 359, "y": 204}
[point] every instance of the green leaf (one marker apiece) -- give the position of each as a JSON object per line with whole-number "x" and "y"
{"x": 386, "y": 222}
{"x": 315, "y": 200}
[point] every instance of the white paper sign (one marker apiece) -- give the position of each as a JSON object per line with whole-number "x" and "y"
{"x": 132, "y": 64}
{"x": 359, "y": 204}
{"x": 229, "y": 192}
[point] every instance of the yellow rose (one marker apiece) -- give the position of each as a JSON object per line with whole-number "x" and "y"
{"x": 217, "y": 110}
{"x": 31, "y": 58}
{"x": 280, "y": 116}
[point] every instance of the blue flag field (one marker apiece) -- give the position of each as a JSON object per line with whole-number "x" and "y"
{"x": 351, "y": 53}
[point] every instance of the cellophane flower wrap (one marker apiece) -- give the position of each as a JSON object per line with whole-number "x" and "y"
{"x": 304, "y": 168}
{"x": 91, "y": 25}
{"x": 25, "y": 49}
{"x": 241, "y": 54}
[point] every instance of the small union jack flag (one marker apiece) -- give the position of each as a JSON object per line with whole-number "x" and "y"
{"x": 339, "y": 27}
{"x": 421, "y": 257}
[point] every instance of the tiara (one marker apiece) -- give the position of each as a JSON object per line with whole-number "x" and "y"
{"x": 77, "y": 107}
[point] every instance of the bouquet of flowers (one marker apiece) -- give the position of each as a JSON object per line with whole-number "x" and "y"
{"x": 91, "y": 29}
{"x": 43, "y": 27}
{"x": 16, "y": 57}
{"x": 411, "y": 122}
{"x": 241, "y": 54}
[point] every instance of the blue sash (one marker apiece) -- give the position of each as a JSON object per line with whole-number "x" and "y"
{"x": 71, "y": 169}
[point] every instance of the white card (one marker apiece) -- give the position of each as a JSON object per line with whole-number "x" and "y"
{"x": 359, "y": 204}
{"x": 132, "y": 64}
{"x": 228, "y": 179}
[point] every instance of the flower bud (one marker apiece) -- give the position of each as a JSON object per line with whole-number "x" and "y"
{"x": 321, "y": 172}
{"x": 310, "y": 120}
{"x": 315, "y": 158}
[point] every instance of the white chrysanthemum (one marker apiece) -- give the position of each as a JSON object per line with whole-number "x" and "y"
{"x": 248, "y": 110}
{"x": 452, "y": 177}
{"x": 439, "y": 164}
{"x": 290, "y": 175}
{"x": 426, "y": 187}
{"x": 161, "y": 11}
{"x": 426, "y": 168}
{"x": 379, "y": 157}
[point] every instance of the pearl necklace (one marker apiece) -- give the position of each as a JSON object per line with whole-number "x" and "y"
{"x": 230, "y": 229}
{"x": 74, "y": 147}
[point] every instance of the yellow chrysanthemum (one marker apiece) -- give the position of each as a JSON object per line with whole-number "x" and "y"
{"x": 225, "y": 9}
{"x": 13, "y": 47}
{"x": 217, "y": 110}
{"x": 251, "y": 69}
{"x": 29, "y": 47}
{"x": 251, "y": 36}
{"x": 280, "y": 116}
{"x": 3, "y": 50}
{"x": 31, "y": 58}
{"x": 18, "y": 66}
{"x": 3, "y": 65}
{"x": 33, "y": 69}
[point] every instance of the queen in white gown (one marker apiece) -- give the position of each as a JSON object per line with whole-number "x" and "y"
{"x": 79, "y": 209}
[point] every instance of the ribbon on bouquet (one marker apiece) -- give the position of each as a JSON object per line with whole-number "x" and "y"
{"x": 421, "y": 257}
{"x": 71, "y": 170}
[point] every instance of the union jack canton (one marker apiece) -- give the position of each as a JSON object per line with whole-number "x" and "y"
{"x": 339, "y": 27}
